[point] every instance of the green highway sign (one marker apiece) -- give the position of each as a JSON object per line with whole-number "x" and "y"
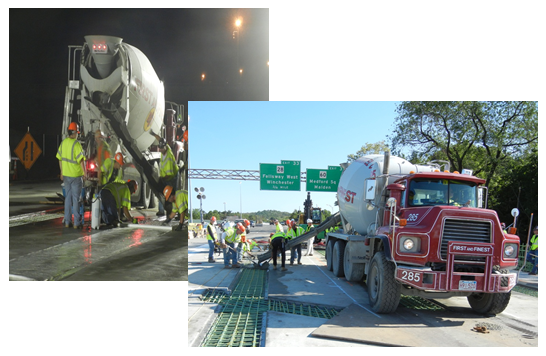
{"x": 283, "y": 176}
{"x": 323, "y": 180}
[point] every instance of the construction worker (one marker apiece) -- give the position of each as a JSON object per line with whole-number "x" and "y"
{"x": 229, "y": 241}
{"x": 278, "y": 244}
{"x": 72, "y": 165}
{"x": 211, "y": 238}
{"x": 167, "y": 170}
{"x": 278, "y": 226}
{"x": 180, "y": 201}
{"x": 117, "y": 171}
{"x": 310, "y": 242}
{"x": 532, "y": 255}
{"x": 245, "y": 224}
{"x": 111, "y": 171}
{"x": 104, "y": 163}
{"x": 295, "y": 231}
{"x": 116, "y": 196}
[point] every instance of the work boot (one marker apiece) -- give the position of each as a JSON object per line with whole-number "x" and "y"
{"x": 160, "y": 214}
{"x": 227, "y": 267}
{"x": 284, "y": 269}
{"x": 236, "y": 265}
{"x": 212, "y": 260}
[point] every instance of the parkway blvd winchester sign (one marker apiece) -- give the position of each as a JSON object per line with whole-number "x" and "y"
{"x": 283, "y": 176}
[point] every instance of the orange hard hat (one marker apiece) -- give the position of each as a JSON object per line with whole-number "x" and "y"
{"x": 119, "y": 158}
{"x": 213, "y": 219}
{"x": 74, "y": 127}
{"x": 240, "y": 228}
{"x": 247, "y": 223}
{"x": 167, "y": 191}
{"x": 287, "y": 222}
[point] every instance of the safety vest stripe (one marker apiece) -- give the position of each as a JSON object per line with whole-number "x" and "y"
{"x": 66, "y": 159}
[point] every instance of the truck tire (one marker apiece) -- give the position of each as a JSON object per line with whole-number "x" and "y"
{"x": 383, "y": 290}
{"x": 145, "y": 194}
{"x": 354, "y": 272}
{"x": 337, "y": 258}
{"x": 329, "y": 254}
{"x": 489, "y": 303}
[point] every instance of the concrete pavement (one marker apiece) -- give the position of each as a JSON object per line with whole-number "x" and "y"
{"x": 303, "y": 284}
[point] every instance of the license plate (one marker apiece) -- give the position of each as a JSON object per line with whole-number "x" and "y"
{"x": 467, "y": 285}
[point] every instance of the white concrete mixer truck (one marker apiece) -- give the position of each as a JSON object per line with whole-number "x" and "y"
{"x": 113, "y": 87}
{"x": 419, "y": 231}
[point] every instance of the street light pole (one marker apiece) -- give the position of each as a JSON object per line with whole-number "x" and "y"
{"x": 200, "y": 196}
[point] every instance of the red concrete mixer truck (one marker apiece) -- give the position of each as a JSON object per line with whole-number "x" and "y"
{"x": 112, "y": 87}
{"x": 420, "y": 231}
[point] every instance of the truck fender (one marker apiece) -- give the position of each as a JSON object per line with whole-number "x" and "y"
{"x": 375, "y": 242}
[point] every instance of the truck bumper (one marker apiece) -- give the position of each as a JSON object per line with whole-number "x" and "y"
{"x": 452, "y": 281}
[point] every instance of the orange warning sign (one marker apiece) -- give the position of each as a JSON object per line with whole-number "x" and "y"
{"x": 28, "y": 151}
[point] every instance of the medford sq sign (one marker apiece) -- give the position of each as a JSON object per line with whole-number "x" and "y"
{"x": 283, "y": 176}
{"x": 323, "y": 180}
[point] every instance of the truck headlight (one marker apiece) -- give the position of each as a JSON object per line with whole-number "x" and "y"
{"x": 510, "y": 250}
{"x": 410, "y": 244}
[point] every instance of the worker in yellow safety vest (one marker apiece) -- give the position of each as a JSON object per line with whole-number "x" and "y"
{"x": 532, "y": 255}
{"x": 229, "y": 241}
{"x": 72, "y": 165}
{"x": 278, "y": 245}
{"x": 116, "y": 198}
{"x": 295, "y": 231}
{"x": 179, "y": 200}
{"x": 211, "y": 238}
{"x": 168, "y": 170}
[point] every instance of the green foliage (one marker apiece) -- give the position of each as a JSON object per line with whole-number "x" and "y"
{"x": 517, "y": 186}
{"x": 474, "y": 135}
{"x": 369, "y": 148}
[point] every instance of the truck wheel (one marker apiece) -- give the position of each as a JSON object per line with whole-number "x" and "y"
{"x": 145, "y": 194}
{"x": 329, "y": 254}
{"x": 337, "y": 258}
{"x": 383, "y": 290}
{"x": 354, "y": 272}
{"x": 489, "y": 303}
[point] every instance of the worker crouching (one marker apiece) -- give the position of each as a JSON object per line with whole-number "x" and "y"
{"x": 116, "y": 196}
{"x": 229, "y": 241}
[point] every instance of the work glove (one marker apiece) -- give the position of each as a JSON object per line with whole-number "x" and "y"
{"x": 166, "y": 222}
{"x": 178, "y": 228}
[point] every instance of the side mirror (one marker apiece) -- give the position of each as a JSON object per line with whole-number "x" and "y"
{"x": 370, "y": 189}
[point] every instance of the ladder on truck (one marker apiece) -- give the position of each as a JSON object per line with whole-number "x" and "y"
{"x": 326, "y": 224}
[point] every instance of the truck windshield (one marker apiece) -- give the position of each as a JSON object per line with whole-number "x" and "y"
{"x": 428, "y": 192}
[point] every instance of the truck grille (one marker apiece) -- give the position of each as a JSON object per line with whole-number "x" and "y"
{"x": 465, "y": 231}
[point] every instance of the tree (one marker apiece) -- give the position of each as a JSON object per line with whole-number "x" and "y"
{"x": 483, "y": 134}
{"x": 369, "y": 148}
{"x": 517, "y": 187}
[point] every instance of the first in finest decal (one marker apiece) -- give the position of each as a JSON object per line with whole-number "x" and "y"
{"x": 148, "y": 122}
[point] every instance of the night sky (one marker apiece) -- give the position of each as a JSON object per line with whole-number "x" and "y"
{"x": 180, "y": 43}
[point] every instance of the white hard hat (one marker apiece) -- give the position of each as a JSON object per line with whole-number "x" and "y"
{"x": 309, "y": 221}
{"x": 226, "y": 225}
